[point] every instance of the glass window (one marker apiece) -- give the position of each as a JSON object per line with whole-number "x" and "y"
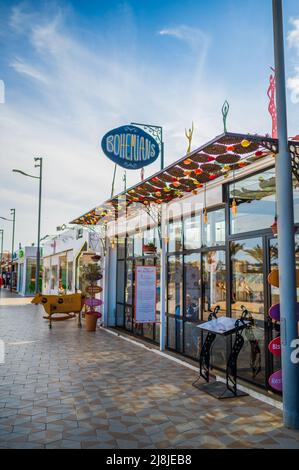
{"x": 149, "y": 242}
{"x": 128, "y": 318}
{"x": 192, "y": 287}
{"x": 175, "y": 236}
{"x": 30, "y": 275}
{"x": 121, "y": 247}
{"x": 214, "y": 229}
{"x": 130, "y": 241}
{"x": 247, "y": 276}
{"x": 175, "y": 287}
{"x": 54, "y": 277}
{"x": 138, "y": 244}
{"x": 62, "y": 274}
{"x": 192, "y": 232}
{"x": 119, "y": 315}
{"x": 148, "y": 330}
{"x": 192, "y": 336}
{"x": 120, "y": 294}
{"x": 214, "y": 282}
{"x": 70, "y": 275}
{"x": 171, "y": 340}
{"x": 255, "y": 198}
{"x": 46, "y": 278}
{"x": 129, "y": 283}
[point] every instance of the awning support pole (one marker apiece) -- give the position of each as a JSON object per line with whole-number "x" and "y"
{"x": 163, "y": 278}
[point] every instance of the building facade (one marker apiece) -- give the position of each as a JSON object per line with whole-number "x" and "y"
{"x": 62, "y": 255}
{"x": 220, "y": 247}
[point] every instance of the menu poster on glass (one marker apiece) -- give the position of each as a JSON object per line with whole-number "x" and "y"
{"x": 145, "y": 294}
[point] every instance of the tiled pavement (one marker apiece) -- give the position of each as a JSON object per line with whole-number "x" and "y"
{"x": 67, "y": 388}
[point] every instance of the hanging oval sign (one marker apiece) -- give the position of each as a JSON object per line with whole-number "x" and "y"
{"x": 130, "y": 147}
{"x": 275, "y": 381}
{"x": 275, "y": 346}
{"x": 274, "y": 312}
{"x": 93, "y": 302}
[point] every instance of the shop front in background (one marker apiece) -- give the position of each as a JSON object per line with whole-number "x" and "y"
{"x": 224, "y": 262}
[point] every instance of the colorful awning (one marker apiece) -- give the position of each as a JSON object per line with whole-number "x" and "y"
{"x": 223, "y": 155}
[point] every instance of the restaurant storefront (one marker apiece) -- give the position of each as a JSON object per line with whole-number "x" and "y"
{"x": 217, "y": 256}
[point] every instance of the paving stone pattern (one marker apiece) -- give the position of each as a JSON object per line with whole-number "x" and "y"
{"x": 68, "y": 388}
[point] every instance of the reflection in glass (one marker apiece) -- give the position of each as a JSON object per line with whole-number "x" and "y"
{"x": 214, "y": 282}
{"x": 128, "y": 318}
{"x": 192, "y": 287}
{"x": 121, "y": 247}
{"x": 192, "y": 232}
{"x": 214, "y": 229}
{"x": 138, "y": 244}
{"x": 247, "y": 285}
{"x": 192, "y": 336}
{"x": 130, "y": 241}
{"x": 255, "y": 197}
{"x": 119, "y": 315}
{"x": 129, "y": 283}
{"x": 248, "y": 290}
{"x": 171, "y": 336}
{"x": 175, "y": 235}
{"x": 175, "y": 288}
{"x": 120, "y": 291}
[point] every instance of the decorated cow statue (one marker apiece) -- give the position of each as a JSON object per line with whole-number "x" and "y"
{"x": 67, "y": 305}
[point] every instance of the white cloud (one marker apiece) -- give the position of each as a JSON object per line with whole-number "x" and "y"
{"x": 84, "y": 90}
{"x": 194, "y": 38}
{"x": 293, "y": 42}
{"x": 22, "y": 67}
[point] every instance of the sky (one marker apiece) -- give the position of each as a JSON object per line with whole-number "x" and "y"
{"x": 72, "y": 70}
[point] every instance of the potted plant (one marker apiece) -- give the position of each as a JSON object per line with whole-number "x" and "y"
{"x": 91, "y": 273}
{"x": 149, "y": 248}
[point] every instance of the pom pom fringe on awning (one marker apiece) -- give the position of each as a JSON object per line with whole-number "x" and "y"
{"x": 226, "y": 153}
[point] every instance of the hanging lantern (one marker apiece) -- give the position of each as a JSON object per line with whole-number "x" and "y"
{"x": 245, "y": 143}
{"x": 230, "y": 148}
{"x": 198, "y": 171}
{"x": 187, "y": 172}
{"x": 234, "y": 208}
{"x": 176, "y": 184}
{"x": 187, "y": 161}
{"x": 205, "y": 216}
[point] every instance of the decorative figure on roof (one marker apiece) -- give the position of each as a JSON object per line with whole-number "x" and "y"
{"x": 225, "y": 110}
{"x": 189, "y": 136}
{"x": 272, "y": 106}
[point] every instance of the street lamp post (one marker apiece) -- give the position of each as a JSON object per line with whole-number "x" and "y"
{"x": 13, "y": 213}
{"x": 286, "y": 243}
{"x": 38, "y": 164}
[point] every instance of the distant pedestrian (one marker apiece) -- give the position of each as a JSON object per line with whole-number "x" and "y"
{"x": 1, "y": 281}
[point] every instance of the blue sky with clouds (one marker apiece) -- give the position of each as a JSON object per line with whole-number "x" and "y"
{"x": 72, "y": 70}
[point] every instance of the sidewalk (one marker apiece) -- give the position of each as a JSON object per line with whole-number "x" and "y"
{"x": 67, "y": 388}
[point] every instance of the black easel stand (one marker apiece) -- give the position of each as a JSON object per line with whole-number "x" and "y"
{"x": 216, "y": 388}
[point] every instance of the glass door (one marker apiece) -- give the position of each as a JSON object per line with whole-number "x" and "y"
{"x": 248, "y": 280}
{"x": 214, "y": 294}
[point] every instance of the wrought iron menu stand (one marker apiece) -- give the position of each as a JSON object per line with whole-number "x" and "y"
{"x": 223, "y": 326}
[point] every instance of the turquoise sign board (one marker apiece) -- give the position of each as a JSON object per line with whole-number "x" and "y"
{"x": 130, "y": 147}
